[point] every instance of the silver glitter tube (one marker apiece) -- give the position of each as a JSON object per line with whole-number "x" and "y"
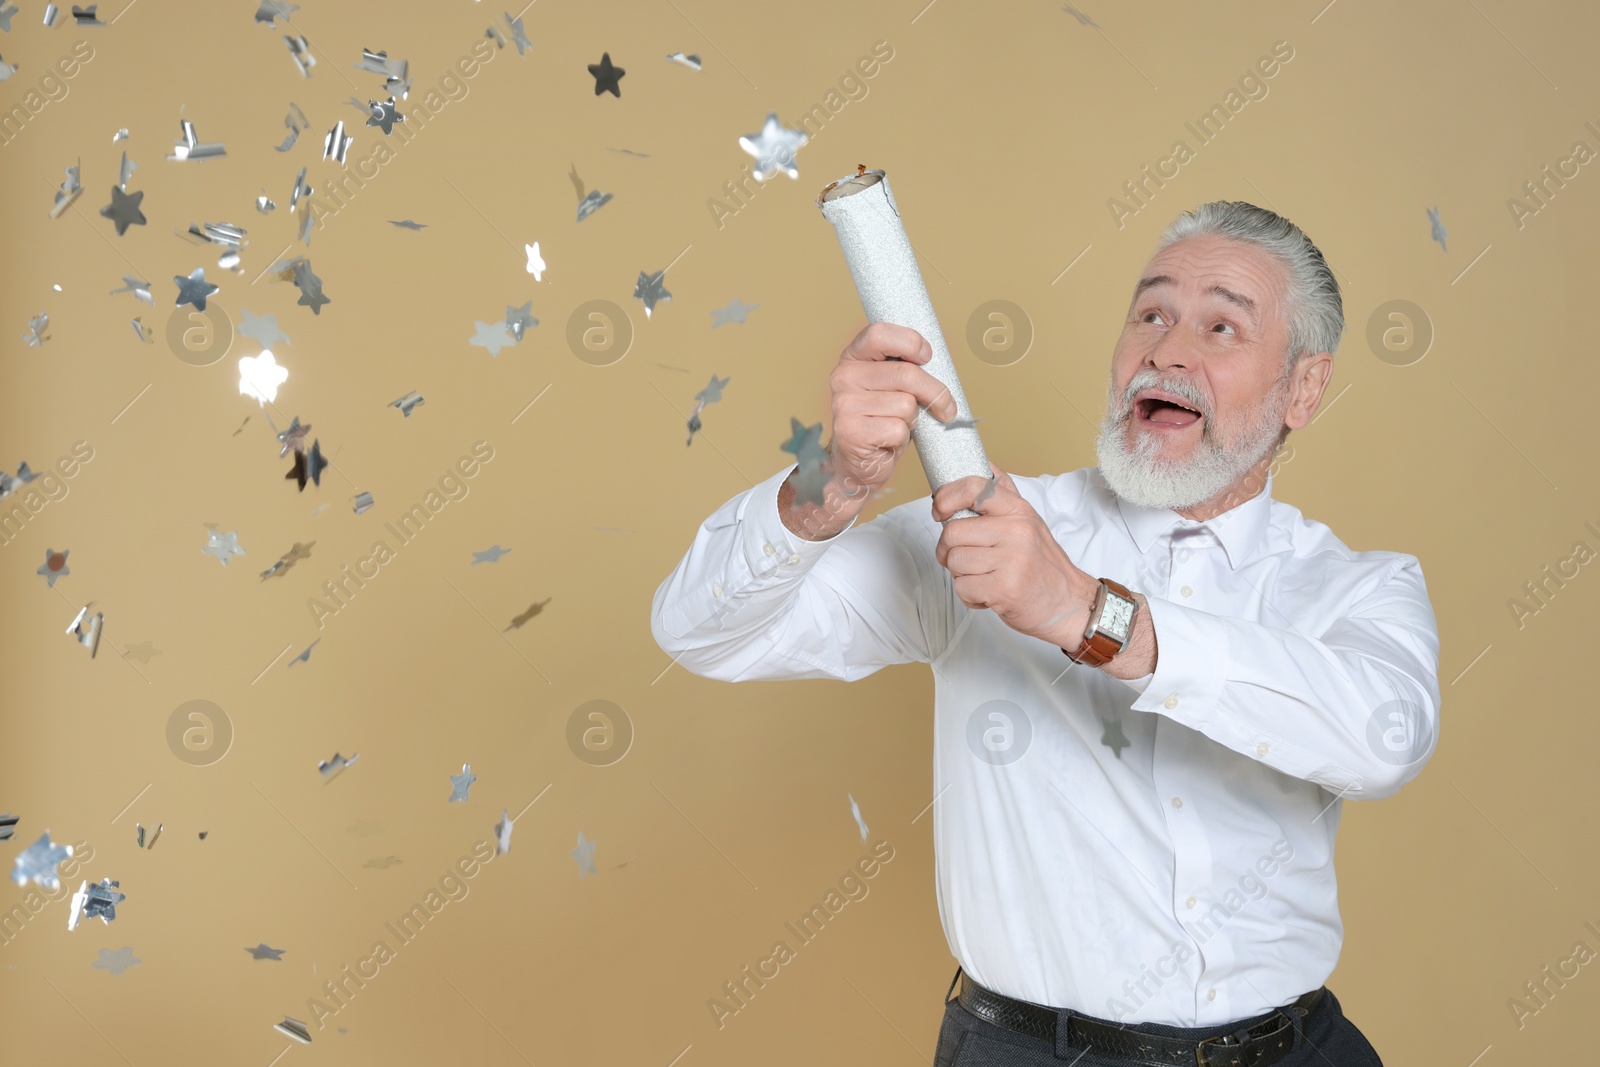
{"x": 884, "y": 266}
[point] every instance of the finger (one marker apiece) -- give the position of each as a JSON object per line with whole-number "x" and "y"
{"x": 881, "y": 341}
{"x": 952, "y": 496}
{"x": 928, "y": 391}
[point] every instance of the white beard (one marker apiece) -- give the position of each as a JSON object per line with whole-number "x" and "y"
{"x": 1140, "y": 475}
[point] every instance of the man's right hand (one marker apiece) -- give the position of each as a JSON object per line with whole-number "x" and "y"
{"x": 879, "y": 387}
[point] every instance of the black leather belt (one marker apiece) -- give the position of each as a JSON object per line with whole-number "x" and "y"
{"x": 1264, "y": 1043}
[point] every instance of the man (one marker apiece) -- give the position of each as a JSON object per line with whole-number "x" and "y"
{"x": 1138, "y": 780}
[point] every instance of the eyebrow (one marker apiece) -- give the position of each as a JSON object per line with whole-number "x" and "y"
{"x": 1227, "y": 294}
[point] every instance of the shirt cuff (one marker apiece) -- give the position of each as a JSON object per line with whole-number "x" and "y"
{"x": 767, "y": 543}
{"x": 1192, "y": 666}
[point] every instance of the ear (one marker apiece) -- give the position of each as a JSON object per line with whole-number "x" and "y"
{"x": 1311, "y": 376}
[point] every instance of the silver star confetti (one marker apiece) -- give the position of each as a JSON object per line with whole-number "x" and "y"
{"x": 263, "y": 952}
{"x": 491, "y": 554}
{"x": 6, "y": 11}
{"x": 774, "y": 148}
{"x": 223, "y": 546}
{"x": 734, "y": 312}
{"x": 460, "y": 783}
{"x": 650, "y": 290}
{"x": 337, "y": 143}
{"x": 140, "y": 289}
{"x": 38, "y": 862}
{"x": 116, "y": 962}
{"x": 519, "y": 319}
{"x": 194, "y": 289}
{"x": 519, "y": 36}
{"x": 275, "y": 9}
{"x": 1438, "y": 229}
{"x": 91, "y": 901}
{"x": 123, "y": 211}
{"x": 54, "y": 566}
{"x": 384, "y": 116}
{"x": 260, "y": 376}
{"x": 36, "y": 327}
{"x": 535, "y": 263}
{"x": 491, "y": 335}
{"x": 263, "y": 329}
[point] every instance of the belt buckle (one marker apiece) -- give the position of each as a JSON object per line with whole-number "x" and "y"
{"x": 1200, "y": 1047}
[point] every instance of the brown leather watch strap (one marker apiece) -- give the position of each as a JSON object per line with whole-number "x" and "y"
{"x": 1100, "y": 649}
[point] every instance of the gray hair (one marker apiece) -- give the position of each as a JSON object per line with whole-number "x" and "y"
{"x": 1315, "y": 310}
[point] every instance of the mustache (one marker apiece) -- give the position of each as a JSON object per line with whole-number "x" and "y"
{"x": 1180, "y": 387}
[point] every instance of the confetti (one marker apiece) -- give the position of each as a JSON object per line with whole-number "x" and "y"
{"x": 491, "y": 335}
{"x": 189, "y": 146}
{"x": 691, "y": 61}
{"x": 51, "y": 14}
{"x": 383, "y": 116}
{"x": 140, "y": 289}
{"x": 855, "y": 809}
{"x": 6, "y": 69}
{"x": 519, "y": 319}
{"x": 275, "y": 9}
{"x": 300, "y": 189}
{"x": 804, "y": 445}
{"x": 1113, "y": 737}
{"x": 8, "y": 826}
{"x": 961, "y": 424}
{"x": 194, "y": 289}
{"x": 650, "y": 290}
{"x": 116, "y": 962}
{"x": 407, "y": 402}
{"x": 709, "y": 395}
{"x": 125, "y": 172}
{"x": 535, "y": 263}
{"x": 9, "y": 484}
{"x": 491, "y": 554}
{"x": 139, "y": 829}
{"x": 774, "y": 148}
{"x": 91, "y": 901}
{"x": 606, "y": 76}
{"x": 294, "y": 437}
{"x": 143, "y": 332}
{"x": 590, "y": 202}
{"x": 262, "y": 328}
{"x": 460, "y": 783}
{"x": 87, "y": 629}
{"x": 309, "y": 284}
{"x": 305, "y": 657}
{"x": 363, "y": 502}
{"x": 223, "y": 546}
{"x": 260, "y": 376}
{"x": 293, "y": 1028}
{"x": 300, "y": 52}
{"x": 308, "y": 465}
{"x": 6, "y": 11}
{"x": 264, "y": 204}
{"x": 123, "y": 211}
{"x": 69, "y": 190}
{"x": 519, "y": 36}
{"x": 142, "y": 651}
{"x": 54, "y": 566}
{"x": 502, "y": 833}
{"x": 85, "y": 15}
{"x": 330, "y": 768}
{"x": 337, "y": 143}
{"x": 584, "y": 855}
{"x": 534, "y": 609}
{"x": 263, "y": 952}
{"x": 36, "y": 327}
{"x": 38, "y": 862}
{"x": 288, "y": 559}
{"x": 407, "y": 224}
{"x": 393, "y": 70}
{"x": 734, "y": 312}
{"x": 1439, "y": 233}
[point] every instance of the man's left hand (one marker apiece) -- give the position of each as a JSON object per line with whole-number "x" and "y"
{"x": 1005, "y": 559}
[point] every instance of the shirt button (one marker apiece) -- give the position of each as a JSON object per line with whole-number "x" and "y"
{"x": 1211, "y": 994}
{"x": 1261, "y": 749}
{"x": 1191, "y": 902}
{"x": 768, "y": 549}
{"x": 1177, "y": 802}
{"x": 716, "y": 590}
{"x": 1171, "y": 701}
{"x": 1186, "y": 591}
{"x": 794, "y": 559}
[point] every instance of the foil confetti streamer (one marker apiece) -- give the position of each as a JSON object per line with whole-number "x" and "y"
{"x": 407, "y": 402}
{"x": 189, "y": 146}
{"x": 293, "y": 1028}
{"x": 140, "y": 289}
{"x": 69, "y": 190}
{"x": 691, "y": 61}
{"x": 95, "y": 901}
{"x": 38, "y": 862}
{"x": 300, "y": 52}
{"x": 87, "y": 629}
{"x": 883, "y": 264}
{"x": 8, "y": 826}
{"x": 363, "y": 501}
{"x": 331, "y": 768}
{"x": 51, "y": 14}
{"x": 774, "y": 148}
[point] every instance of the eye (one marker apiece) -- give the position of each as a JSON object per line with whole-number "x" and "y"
{"x": 1144, "y": 316}
{"x": 1229, "y": 325}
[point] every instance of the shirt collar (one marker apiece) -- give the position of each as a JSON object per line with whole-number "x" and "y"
{"x": 1240, "y": 529}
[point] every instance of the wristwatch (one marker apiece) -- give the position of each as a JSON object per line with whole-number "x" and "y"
{"x": 1110, "y": 623}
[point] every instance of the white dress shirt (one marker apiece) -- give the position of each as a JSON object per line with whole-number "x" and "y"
{"x": 1153, "y": 850}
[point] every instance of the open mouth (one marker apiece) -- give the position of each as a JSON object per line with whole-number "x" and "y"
{"x": 1164, "y": 412}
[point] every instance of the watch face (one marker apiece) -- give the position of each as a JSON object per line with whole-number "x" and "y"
{"x": 1116, "y": 616}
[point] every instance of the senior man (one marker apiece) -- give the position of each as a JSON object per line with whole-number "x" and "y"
{"x": 1155, "y": 685}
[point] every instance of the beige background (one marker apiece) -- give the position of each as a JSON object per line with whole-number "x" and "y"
{"x": 1005, "y": 129}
